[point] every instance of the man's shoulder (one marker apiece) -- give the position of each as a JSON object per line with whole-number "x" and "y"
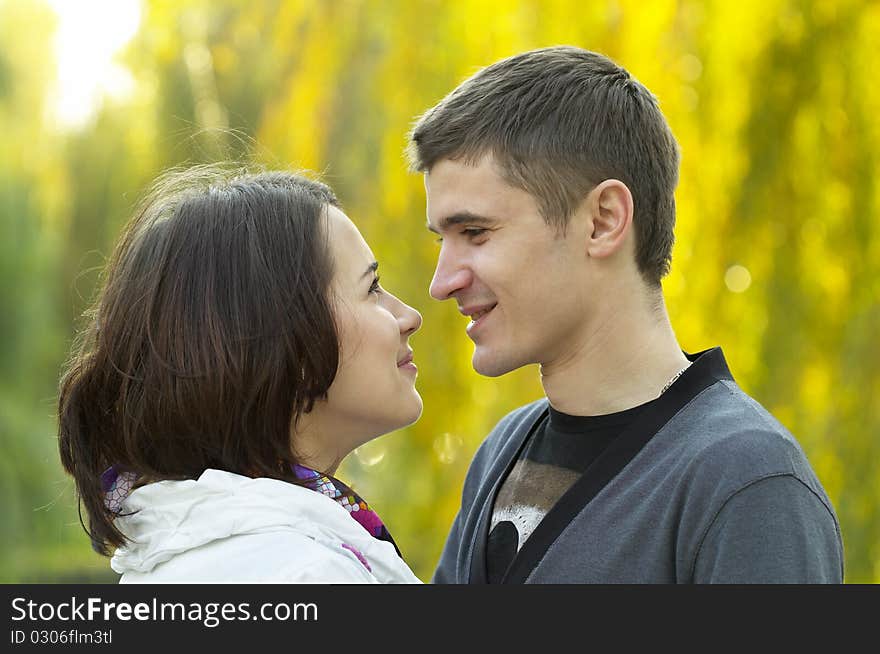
{"x": 730, "y": 438}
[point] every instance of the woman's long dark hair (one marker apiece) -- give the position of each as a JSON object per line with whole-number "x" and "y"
{"x": 211, "y": 334}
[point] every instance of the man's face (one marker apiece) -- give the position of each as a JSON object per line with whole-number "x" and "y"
{"x": 516, "y": 278}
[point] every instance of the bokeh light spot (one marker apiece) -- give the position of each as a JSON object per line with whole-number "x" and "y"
{"x": 737, "y": 278}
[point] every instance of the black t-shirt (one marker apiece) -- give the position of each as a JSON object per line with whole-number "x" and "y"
{"x": 559, "y": 451}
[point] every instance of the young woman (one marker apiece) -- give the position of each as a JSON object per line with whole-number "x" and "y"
{"x": 241, "y": 346}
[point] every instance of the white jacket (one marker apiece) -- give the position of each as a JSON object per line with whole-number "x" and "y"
{"x": 225, "y": 527}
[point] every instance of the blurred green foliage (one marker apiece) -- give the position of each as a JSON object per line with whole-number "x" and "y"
{"x": 778, "y": 247}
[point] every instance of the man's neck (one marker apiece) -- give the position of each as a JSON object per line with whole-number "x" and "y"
{"x": 625, "y": 360}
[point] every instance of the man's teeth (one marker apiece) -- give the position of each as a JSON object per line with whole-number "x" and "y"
{"x": 479, "y": 314}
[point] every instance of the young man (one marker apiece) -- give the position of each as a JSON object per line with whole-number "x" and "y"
{"x": 550, "y": 178}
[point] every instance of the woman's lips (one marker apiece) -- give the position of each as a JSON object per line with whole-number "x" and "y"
{"x": 406, "y": 363}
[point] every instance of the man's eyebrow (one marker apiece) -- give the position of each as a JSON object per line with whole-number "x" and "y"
{"x": 460, "y": 218}
{"x": 372, "y": 268}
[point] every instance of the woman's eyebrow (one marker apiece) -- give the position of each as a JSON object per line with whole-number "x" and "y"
{"x": 372, "y": 268}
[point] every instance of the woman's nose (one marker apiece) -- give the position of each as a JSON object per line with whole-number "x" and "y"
{"x": 409, "y": 319}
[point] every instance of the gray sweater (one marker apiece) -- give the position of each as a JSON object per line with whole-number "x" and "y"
{"x": 706, "y": 488}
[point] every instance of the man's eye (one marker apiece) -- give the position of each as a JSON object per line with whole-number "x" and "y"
{"x": 473, "y": 232}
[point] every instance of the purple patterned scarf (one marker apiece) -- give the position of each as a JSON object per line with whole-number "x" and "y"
{"x": 352, "y": 502}
{"x": 117, "y": 484}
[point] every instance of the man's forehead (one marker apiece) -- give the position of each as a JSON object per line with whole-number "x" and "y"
{"x": 458, "y": 170}
{"x": 457, "y": 190}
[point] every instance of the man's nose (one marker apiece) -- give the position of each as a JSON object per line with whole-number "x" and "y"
{"x": 450, "y": 276}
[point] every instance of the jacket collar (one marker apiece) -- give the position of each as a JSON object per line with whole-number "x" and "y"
{"x": 166, "y": 518}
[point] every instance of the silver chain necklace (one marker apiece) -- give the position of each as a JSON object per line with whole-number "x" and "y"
{"x": 674, "y": 377}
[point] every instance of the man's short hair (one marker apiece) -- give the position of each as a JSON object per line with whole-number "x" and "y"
{"x": 558, "y": 121}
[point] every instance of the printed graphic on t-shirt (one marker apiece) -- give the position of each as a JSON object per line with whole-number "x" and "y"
{"x": 537, "y": 487}
{"x": 557, "y": 454}
{"x": 523, "y": 518}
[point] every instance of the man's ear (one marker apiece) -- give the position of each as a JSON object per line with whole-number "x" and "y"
{"x": 611, "y": 212}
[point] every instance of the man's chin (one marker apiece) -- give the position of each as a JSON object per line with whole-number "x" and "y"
{"x": 489, "y": 364}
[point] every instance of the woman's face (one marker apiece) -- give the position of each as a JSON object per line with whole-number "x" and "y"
{"x": 374, "y": 388}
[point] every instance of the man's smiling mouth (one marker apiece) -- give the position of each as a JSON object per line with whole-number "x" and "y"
{"x": 476, "y": 314}
{"x": 479, "y": 314}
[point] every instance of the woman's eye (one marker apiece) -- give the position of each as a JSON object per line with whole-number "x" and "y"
{"x": 374, "y": 287}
